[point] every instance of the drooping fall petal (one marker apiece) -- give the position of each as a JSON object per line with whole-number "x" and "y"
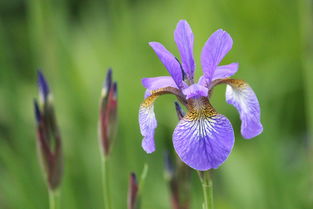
{"x": 147, "y": 120}
{"x": 242, "y": 97}
{"x": 203, "y": 139}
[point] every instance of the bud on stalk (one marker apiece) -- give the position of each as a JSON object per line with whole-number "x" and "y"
{"x": 108, "y": 114}
{"x": 132, "y": 201}
{"x": 48, "y": 136}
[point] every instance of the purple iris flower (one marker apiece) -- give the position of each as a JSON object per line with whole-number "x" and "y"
{"x": 203, "y": 138}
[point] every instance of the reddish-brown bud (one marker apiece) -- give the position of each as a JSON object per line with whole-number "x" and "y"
{"x": 108, "y": 114}
{"x": 132, "y": 201}
{"x": 49, "y": 139}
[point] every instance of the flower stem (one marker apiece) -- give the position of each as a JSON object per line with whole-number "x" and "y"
{"x": 105, "y": 183}
{"x": 52, "y": 199}
{"x": 143, "y": 178}
{"x": 306, "y": 32}
{"x": 207, "y": 188}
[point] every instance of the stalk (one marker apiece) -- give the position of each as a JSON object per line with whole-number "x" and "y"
{"x": 52, "y": 199}
{"x": 207, "y": 189}
{"x": 105, "y": 183}
{"x": 306, "y": 32}
{"x": 143, "y": 178}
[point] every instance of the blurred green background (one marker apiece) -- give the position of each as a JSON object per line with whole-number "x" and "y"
{"x": 74, "y": 42}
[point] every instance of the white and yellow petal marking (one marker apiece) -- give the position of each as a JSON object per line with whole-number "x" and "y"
{"x": 242, "y": 97}
{"x": 147, "y": 119}
{"x": 203, "y": 139}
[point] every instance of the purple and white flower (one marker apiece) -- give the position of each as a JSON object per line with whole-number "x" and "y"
{"x": 203, "y": 138}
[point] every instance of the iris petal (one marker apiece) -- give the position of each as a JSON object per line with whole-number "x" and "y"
{"x": 203, "y": 139}
{"x": 195, "y": 91}
{"x": 169, "y": 61}
{"x": 158, "y": 82}
{"x": 214, "y": 50}
{"x": 148, "y": 124}
{"x": 184, "y": 40}
{"x": 147, "y": 120}
{"x": 225, "y": 71}
{"x": 155, "y": 83}
{"x": 242, "y": 97}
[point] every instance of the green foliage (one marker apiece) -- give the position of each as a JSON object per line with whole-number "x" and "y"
{"x": 74, "y": 42}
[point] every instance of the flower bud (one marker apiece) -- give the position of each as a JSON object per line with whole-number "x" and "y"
{"x": 132, "y": 201}
{"x": 108, "y": 113}
{"x": 48, "y": 136}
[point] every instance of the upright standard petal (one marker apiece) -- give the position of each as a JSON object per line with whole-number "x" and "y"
{"x": 214, "y": 50}
{"x": 147, "y": 120}
{"x": 203, "y": 139}
{"x": 195, "y": 91}
{"x": 169, "y": 61}
{"x": 242, "y": 97}
{"x": 225, "y": 71}
{"x": 184, "y": 40}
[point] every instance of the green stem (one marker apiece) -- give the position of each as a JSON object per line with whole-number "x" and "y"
{"x": 207, "y": 188}
{"x": 105, "y": 183}
{"x": 306, "y": 31}
{"x": 52, "y": 199}
{"x": 142, "y": 179}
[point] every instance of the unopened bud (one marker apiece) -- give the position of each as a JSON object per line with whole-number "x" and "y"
{"x": 43, "y": 87}
{"x": 108, "y": 113}
{"x": 49, "y": 139}
{"x": 132, "y": 201}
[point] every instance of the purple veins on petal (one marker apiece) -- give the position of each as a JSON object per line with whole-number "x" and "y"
{"x": 184, "y": 40}
{"x": 169, "y": 61}
{"x": 214, "y": 50}
{"x": 195, "y": 91}
{"x": 148, "y": 143}
{"x": 203, "y": 81}
{"x": 242, "y": 97}
{"x": 147, "y": 120}
{"x": 203, "y": 142}
{"x": 148, "y": 123}
{"x": 203, "y": 139}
